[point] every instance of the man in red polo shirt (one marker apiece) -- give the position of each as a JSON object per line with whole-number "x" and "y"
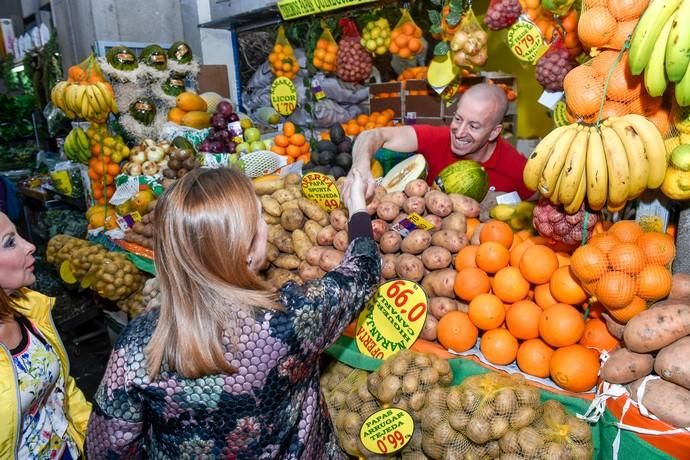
{"x": 474, "y": 134}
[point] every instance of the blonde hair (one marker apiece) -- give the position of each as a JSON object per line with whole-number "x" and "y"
{"x": 204, "y": 226}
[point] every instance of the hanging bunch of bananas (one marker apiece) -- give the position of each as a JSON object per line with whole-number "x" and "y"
{"x": 85, "y": 94}
{"x": 606, "y": 165}
{"x": 660, "y": 47}
{"x": 77, "y": 146}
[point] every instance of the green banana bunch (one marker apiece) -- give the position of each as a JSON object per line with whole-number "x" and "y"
{"x": 77, "y": 146}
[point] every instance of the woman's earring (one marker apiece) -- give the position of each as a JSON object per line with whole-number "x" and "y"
{"x": 249, "y": 260}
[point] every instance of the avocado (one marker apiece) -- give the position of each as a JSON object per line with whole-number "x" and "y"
{"x": 322, "y": 169}
{"x": 154, "y": 56}
{"x": 326, "y": 157}
{"x": 337, "y": 171}
{"x": 344, "y": 160}
{"x": 182, "y": 143}
{"x": 308, "y": 167}
{"x": 143, "y": 110}
{"x": 326, "y": 145}
{"x": 121, "y": 58}
{"x": 345, "y": 146}
{"x": 337, "y": 134}
{"x": 180, "y": 52}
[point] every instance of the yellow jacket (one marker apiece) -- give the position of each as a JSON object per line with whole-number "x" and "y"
{"x": 36, "y": 307}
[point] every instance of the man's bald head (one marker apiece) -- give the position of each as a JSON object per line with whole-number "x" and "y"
{"x": 491, "y": 97}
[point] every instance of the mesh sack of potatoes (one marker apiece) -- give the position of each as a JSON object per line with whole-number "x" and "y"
{"x": 86, "y": 257}
{"x": 333, "y": 376}
{"x": 133, "y": 305}
{"x": 554, "y": 435}
{"x": 116, "y": 277}
{"x": 62, "y": 247}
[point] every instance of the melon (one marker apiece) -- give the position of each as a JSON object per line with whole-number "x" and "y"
{"x": 405, "y": 172}
{"x": 212, "y": 99}
{"x": 466, "y": 177}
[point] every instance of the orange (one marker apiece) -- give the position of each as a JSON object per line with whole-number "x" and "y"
{"x": 292, "y": 150}
{"x": 561, "y": 325}
{"x": 278, "y": 150}
{"x": 509, "y": 285}
{"x": 298, "y": 139}
{"x": 623, "y": 85}
{"x": 465, "y": 257}
{"x": 414, "y": 45}
{"x": 499, "y": 347}
{"x": 472, "y": 224}
{"x": 654, "y": 282}
{"x": 522, "y": 319}
{"x": 288, "y": 128}
{"x": 538, "y": 263}
{"x": 575, "y": 368}
{"x": 627, "y": 258}
{"x": 495, "y": 230}
{"x": 623, "y": 315}
{"x": 588, "y": 263}
{"x": 470, "y": 282}
{"x": 492, "y": 256}
{"x": 623, "y": 10}
{"x": 393, "y": 48}
{"x": 113, "y": 169}
{"x": 519, "y": 249}
{"x": 566, "y": 288}
{"x": 281, "y": 140}
{"x": 596, "y": 26}
{"x": 604, "y": 242}
{"x": 401, "y": 41}
{"x": 486, "y": 311}
{"x": 407, "y": 28}
{"x": 597, "y": 336}
{"x": 628, "y": 231}
{"x": 456, "y": 332}
{"x": 563, "y": 259}
{"x": 615, "y": 289}
{"x": 533, "y": 357}
{"x": 583, "y": 90}
{"x": 404, "y": 53}
{"x": 543, "y": 296}
{"x": 659, "y": 248}
{"x": 362, "y": 119}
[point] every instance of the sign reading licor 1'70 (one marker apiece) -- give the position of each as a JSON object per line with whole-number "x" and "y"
{"x": 290, "y": 9}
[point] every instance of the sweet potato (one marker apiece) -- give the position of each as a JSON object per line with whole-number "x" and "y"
{"x": 372, "y": 206}
{"x": 680, "y": 287}
{"x": 292, "y": 219}
{"x": 378, "y": 227}
{"x": 615, "y": 328}
{"x": 672, "y": 362}
{"x": 438, "y": 203}
{"x": 287, "y": 261}
{"x": 341, "y": 241}
{"x": 449, "y": 239}
{"x": 668, "y": 401}
{"x": 455, "y": 221}
{"x": 658, "y": 327}
{"x": 440, "y": 283}
{"x": 330, "y": 258}
{"x": 314, "y": 255}
{"x": 388, "y": 266}
{"x": 313, "y": 211}
{"x": 416, "y": 242}
{"x": 312, "y": 229}
{"x": 414, "y": 204}
{"x": 624, "y": 366}
{"x": 266, "y": 187}
{"x": 326, "y": 235}
{"x": 429, "y": 329}
{"x": 271, "y": 206}
{"x": 301, "y": 243}
{"x": 387, "y": 210}
{"x": 309, "y": 272}
{"x": 417, "y": 187}
{"x": 435, "y": 257}
{"x": 395, "y": 197}
{"x": 464, "y": 204}
{"x": 272, "y": 252}
{"x": 281, "y": 196}
{"x": 338, "y": 219}
{"x": 390, "y": 242}
{"x": 440, "y": 306}
{"x": 409, "y": 267}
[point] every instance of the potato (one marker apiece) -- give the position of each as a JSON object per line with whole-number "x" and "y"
{"x": 314, "y": 255}
{"x": 279, "y": 276}
{"x": 293, "y": 179}
{"x": 266, "y": 187}
{"x": 395, "y": 197}
{"x": 379, "y": 192}
{"x": 387, "y": 210}
{"x": 429, "y": 329}
{"x": 436, "y": 221}
{"x": 287, "y": 261}
{"x": 615, "y": 328}
{"x": 388, "y": 266}
{"x": 464, "y": 204}
{"x": 668, "y": 401}
{"x": 301, "y": 243}
{"x": 390, "y": 242}
{"x": 417, "y": 187}
{"x": 269, "y": 219}
{"x": 680, "y": 287}
{"x": 672, "y": 362}
{"x": 292, "y": 219}
{"x": 313, "y": 211}
{"x": 438, "y": 203}
{"x": 409, "y": 267}
{"x": 272, "y": 252}
{"x": 455, "y": 221}
{"x": 326, "y": 235}
{"x": 309, "y": 272}
{"x": 295, "y": 190}
{"x": 290, "y": 204}
{"x": 372, "y": 206}
{"x": 440, "y": 306}
{"x": 281, "y": 196}
{"x": 440, "y": 283}
{"x": 312, "y": 229}
{"x": 341, "y": 241}
{"x": 416, "y": 242}
{"x": 435, "y": 258}
{"x": 624, "y": 366}
{"x": 656, "y": 328}
{"x": 330, "y": 258}
{"x": 271, "y": 206}
{"x": 284, "y": 243}
{"x": 451, "y": 240}
{"x": 338, "y": 219}
{"x": 414, "y": 204}
{"x": 378, "y": 227}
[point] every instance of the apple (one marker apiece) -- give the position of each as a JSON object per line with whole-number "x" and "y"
{"x": 242, "y": 148}
{"x": 252, "y": 135}
{"x": 257, "y": 145}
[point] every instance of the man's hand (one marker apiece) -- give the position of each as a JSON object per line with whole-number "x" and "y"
{"x": 366, "y": 177}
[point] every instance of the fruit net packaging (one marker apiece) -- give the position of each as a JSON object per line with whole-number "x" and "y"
{"x": 607, "y": 24}
{"x": 554, "y": 65}
{"x": 282, "y": 57}
{"x": 406, "y": 37}
{"x": 502, "y": 14}
{"x": 469, "y": 44}
{"x": 326, "y": 50}
{"x": 353, "y": 62}
{"x": 376, "y": 36}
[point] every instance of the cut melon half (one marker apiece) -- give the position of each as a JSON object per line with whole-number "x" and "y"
{"x": 405, "y": 172}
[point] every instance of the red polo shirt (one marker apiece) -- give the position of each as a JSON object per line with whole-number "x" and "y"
{"x": 504, "y": 167}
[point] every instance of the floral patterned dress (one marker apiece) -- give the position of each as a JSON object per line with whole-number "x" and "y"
{"x": 271, "y": 408}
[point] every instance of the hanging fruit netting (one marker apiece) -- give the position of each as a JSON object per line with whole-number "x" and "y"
{"x": 608, "y": 23}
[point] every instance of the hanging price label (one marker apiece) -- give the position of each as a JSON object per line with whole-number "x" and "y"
{"x": 526, "y": 40}
{"x": 320, "y": 189}
{"x": 392, "y": 320}
{"x": 387, "y": 431}
{"x": 283, "y": 96}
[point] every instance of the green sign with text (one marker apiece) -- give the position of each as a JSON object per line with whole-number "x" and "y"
{"x": 291, "y": 9}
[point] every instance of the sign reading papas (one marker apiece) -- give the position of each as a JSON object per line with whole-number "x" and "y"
{"x": 526, "y": 41}
{"x": 320, "y": 189}
{"x": 283, "y": 96}
{"x": 387, "y": 431}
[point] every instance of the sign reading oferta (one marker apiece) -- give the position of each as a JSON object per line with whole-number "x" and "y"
{"x": 291, "y": 9}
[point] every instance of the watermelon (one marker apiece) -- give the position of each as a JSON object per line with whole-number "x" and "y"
{"x": 154, "y": 56}
{"x": 466, "y": 177}
{"x": 405, "y": 172}
{"x": 121, "y": 58}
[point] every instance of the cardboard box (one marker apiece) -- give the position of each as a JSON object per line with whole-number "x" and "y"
{"x": 384, "y": 96}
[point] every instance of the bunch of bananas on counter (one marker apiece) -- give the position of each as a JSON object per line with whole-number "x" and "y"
{"x": 660, "y": 47}
{"x": 606, "y": 165}
{"x": 77, "y": 146}
{"x": 92, "y": 102}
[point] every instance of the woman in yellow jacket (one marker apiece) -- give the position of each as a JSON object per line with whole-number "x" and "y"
{"x": 43, "y": 415}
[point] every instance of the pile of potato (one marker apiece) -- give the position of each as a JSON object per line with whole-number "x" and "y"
{"x": 657, "y": 342}
{"x": 133, "y": 305}
{"x": 62, "y": 247}
{"x": 142, "y": 232}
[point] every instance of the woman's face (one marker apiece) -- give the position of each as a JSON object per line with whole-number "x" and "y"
{"x": 16, "y": 258}
{"x": 257, "y": 252}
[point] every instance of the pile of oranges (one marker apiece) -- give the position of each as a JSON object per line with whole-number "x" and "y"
{"x": 363, "y": 122}
{"x": 406, "y": 40}
{"x": 413, "y": 73}
{"x": 526, "y": 303}
{"x": 283, "y": 61}
{"x": 292, "y": 145}
{"x": 325, "y": 55}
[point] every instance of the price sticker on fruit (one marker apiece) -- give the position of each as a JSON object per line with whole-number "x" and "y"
{"x": 283, "y": 96}
{"x": 320, "y": 189}
{"x": 526, "y": 40}
{"x": 392, "y": 320}
{"x": 387, "y": 431}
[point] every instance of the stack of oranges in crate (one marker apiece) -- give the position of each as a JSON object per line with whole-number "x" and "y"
{"x": 363, "y": 122}
{"x": 292, "y": 145}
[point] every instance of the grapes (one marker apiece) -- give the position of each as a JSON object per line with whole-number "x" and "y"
{"x": 553, "y": 66}
{"x": 502, "y": 14}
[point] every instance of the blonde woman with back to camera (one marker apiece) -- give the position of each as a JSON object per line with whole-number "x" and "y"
{"x": 43, "y": 415}
{"x": 227, "y": 367}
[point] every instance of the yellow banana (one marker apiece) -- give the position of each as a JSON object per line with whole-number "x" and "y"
{"x": 574, "y": 167}
{"x": 94, "y": 97}
{"x": 617, "y": 165}
{"x": 86, "y": 108}
{"x": 637, "y": 158}
{"x": 576, "y": 203}
{"x": 596, "y": 171}
{"x": 554, "y": 195}
{"x": 554, "y": 164}
{"x": 654, "y": 147}
{"x": 108, "y": 95}
{"x": 537, "y": 159}
{"x": 654, "y": 73}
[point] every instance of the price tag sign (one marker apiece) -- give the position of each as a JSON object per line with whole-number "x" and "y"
{"x": 411, "y": 222}
{"x": 387, "y": 431}
{"x": 320, "y": 189}
{"x": 526, "y": 41}
{"x": 283, "y": 96}
{"x": 392, "y": 320}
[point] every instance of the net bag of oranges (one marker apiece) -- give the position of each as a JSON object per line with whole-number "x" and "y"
{"x": 353, "y": 62}
{"x": 282, "y": 57}
{"x": 469, "y": 44}
{"x": 406, "y": 37}
{"x": 326, "y": 51}
{"x": 608, "y": 23}
{"x": 625, "y": 268}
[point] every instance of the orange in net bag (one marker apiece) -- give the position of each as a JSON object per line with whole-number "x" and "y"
{"x": 326, "y": 51}
{"x": 608, "y": 23}
{"x": 406, "y": 37}
{"x": 282, "y": 57}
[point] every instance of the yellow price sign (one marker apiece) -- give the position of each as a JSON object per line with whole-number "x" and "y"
{"x": 283, "y": 96}
{"x": 392, "y": 320}
{"x": 526, "y": 40}
{"x": 320, "y": 189}
{"x": 387, "y": 431}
